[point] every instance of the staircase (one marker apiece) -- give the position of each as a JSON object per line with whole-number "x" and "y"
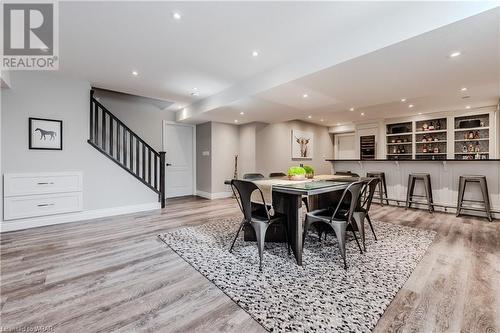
{"x": 115, "y": 140}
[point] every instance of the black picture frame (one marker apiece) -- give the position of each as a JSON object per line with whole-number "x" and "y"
{"x": 57, "y": 136}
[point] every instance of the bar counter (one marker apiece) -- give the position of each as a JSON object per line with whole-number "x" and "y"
{"x": 444, "y": 179}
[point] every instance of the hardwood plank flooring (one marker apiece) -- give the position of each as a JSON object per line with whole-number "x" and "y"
{"x": 115, "y": 275}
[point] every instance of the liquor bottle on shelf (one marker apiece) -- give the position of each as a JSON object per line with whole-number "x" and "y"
{"x": 471, "y": 135}
{"x": 438, "y": 125}
{"x": 398, "y": 151}
{"x": 464, "y": 148}
{"x": 431, "y": 126}
{"x": 476, "y": 135}
{"x": 424, "y": 149}
{"x": 478, "y": 147}
{"x": 471, "y": 148}
{"x": 394, "y": 150}
{"x": 403, "y": 150}
{"x": 425, "y": 126}
{"x": 436, "y": 150}
{"x": 424, "y": 139}
{"x": 436, "y": 139}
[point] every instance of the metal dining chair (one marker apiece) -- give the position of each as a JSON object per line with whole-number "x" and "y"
{"x": 253, "y": 176}
{"x": 361, "y": 211}
{"x": 339, "y": 221}
{"x": 277, "y": 174}
{"x": 243, "y": 190}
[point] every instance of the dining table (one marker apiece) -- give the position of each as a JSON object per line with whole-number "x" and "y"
{"x": 284, "y": 197}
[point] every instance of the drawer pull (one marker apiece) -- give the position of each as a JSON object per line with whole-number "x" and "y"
{"x": 46, "y": 183}
{"x": 45, "y": 205}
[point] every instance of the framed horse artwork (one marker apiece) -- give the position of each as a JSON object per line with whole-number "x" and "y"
{"x": 45, "y": 134}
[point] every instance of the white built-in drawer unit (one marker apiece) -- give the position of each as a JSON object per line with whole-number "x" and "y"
{"x": 38, "y": 194}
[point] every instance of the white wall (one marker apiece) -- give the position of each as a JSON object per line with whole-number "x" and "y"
{"x": 225, "y": 145}
{"x": 145, "y": 119}
{"x": 262, "y": 148}
{"x": 274, "y": 146}
{"x": 47, "y": 95}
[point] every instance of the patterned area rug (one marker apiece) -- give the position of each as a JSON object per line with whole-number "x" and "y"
{"x": 320, "y": 296}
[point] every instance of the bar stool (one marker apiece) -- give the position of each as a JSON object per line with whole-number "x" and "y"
{"x": 426, "y": 178}
{"x": 382, "y": 185}
{"x": 463, "y": 180}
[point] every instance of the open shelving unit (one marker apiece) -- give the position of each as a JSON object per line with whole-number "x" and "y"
{"x": 431, "y": 139}
{"x": 472, "y": 137}
{"x": 399, "y": 141}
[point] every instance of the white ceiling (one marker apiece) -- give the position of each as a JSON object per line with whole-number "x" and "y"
{"x": 417, "y": 69}
{"x": 303, "y": 46}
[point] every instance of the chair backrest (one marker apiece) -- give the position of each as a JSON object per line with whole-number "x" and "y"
{"x": 346, "y": 173}
{"x": 350, "y": 197}
{"x": 242, "y": 190}
{"x": 277, "y": 174}
{"x": 253, "y": 176}
{"x": 370, "y": 188}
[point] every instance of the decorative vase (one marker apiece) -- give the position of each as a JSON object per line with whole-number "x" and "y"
{"x": 297, "y": 177}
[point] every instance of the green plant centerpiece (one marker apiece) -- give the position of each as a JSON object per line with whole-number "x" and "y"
{"x": 296, "y": 173}
{"x": 309, "y": 171}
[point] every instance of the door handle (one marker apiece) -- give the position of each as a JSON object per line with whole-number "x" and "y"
{"x": 168, "y": 164}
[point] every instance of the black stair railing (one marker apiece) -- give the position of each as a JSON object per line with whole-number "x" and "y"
{"x": 114, "y": 139}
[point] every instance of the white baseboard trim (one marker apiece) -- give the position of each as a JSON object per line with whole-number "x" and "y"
{"x": 34, "y": 222}
{"x": 212, "y": 196}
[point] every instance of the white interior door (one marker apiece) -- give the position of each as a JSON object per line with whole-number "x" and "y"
{"x": 178, "y": 140}
{"x": 346, "y": 146}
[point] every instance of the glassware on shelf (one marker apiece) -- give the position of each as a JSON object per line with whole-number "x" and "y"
{"x": 431, "y": 126}
{"x": 424, "y": 139}
{"x": 438, "y": 125}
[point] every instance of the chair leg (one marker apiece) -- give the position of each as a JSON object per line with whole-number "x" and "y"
{"x": 486, "y": 198}
{"x": 385, "y": 189}
{"x": 428, "y": 190}
{"x": 381, "y": 193}
{"x": 237, "y": 233}
{"x": 285, "y": 227}
{"x": 357, "y": 242}
{"x": 307, "y": 225}
{"x": 360, "y": 222}
{"x": 409, "y": 192}
{"x": 371, "y": 226}
{"x": 461, "y": 191}
{"x": 260, "y": 233}
{"x": 340, "y": 232}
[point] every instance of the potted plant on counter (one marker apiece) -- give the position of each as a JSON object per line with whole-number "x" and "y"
{"x": 296, "y": 173}
{"x": 309, "y": 171}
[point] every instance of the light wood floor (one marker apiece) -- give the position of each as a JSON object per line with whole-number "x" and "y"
{"x": 114, "y": 275}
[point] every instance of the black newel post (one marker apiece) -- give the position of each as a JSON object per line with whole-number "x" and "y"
{"x": 162, "y": 178}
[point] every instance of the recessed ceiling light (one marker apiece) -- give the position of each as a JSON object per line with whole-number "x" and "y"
{"x": 338, "y": 124}
{"x": 362, "y": 113}
{"x": 467, "y": 107}
{"x": 420, "y": 113}
{"x": 236, "y": 120}
{"x": 322, "y": 120}
{"x": 309, "y": 117}
{"x": 255, "y": 53}
{"x": 463, "y": 89}
{"x": 195, "y": 93}
{"x": 411, "y": 106}
{"x": 351, "y": 109}
{"x": 242, "y": 113}
{"x": 305, "y": 96}
{"x": 403, "y": 100}
{"x": 455, "y": 54}
{"x": 176, "y": 15}
{"x": 135, "y": 73}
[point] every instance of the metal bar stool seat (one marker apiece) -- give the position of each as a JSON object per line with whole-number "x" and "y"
{"x": 481, "y": 180}
{"x": 426, "y": 178}
{"x": 382, "y": 185}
